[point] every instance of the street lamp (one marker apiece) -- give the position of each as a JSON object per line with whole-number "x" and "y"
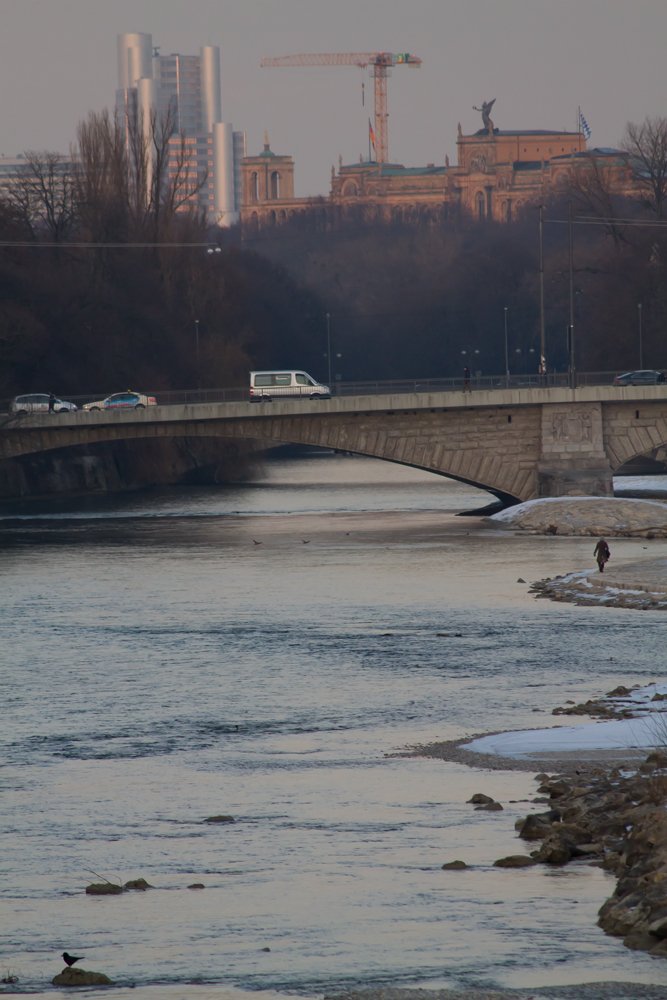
{"x": 641, "y": 351}
{"x": 197, "y": 352}
{"x": 329, "y": 345}
{"x": 507, "y": 357}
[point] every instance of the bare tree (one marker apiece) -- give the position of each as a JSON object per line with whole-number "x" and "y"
{"x": 134, "y": 177}
{"x": 42, "y": 191}
{"x": 594, "y": 185}
{"x": 647, "y": 144}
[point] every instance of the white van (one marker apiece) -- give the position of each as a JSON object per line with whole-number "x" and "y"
{"x": 267, "y": 385}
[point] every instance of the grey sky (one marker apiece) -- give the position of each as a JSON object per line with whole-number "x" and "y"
{"x": 539, "y": 58}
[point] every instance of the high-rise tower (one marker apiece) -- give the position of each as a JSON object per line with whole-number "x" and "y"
{"x": 189, "y": 87}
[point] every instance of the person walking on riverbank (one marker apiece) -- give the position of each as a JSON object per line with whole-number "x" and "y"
{"x": 602, "y": 554}
{"x": 466, "y": 379}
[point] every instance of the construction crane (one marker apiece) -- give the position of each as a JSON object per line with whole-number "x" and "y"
{"x": 380, "y": 63}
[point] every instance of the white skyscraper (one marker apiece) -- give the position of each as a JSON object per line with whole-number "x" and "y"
{"x": 190, "y": 87}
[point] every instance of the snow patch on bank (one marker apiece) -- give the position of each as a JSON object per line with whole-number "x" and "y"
{"x": 645, "y": 732}
{"x": 511, "y": 514}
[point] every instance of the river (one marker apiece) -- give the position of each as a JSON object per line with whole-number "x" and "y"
{"x": 259, "y": 650}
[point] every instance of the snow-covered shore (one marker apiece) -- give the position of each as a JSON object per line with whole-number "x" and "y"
{"x": 593, "y": 516}
{"x": 644, "y": 732}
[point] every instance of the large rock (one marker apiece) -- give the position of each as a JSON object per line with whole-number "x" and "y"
{"x": 454, "y": 866}
{"x": 79, "y": 977}
{"x": 515, "y": 861}
{"x": 537, "y": 826}
{"x": 554, "y": 850}
{"x": 138, "y": 883}
{"x": 103, "y": 889}
{"x": 222, "y": 818}
{"x": 490, "y": 807}
{"x": 479, "y": 799}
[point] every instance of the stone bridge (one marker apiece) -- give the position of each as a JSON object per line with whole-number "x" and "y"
{"x": 518, "y": 443}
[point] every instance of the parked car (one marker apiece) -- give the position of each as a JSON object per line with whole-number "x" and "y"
{"x": 123, "y": 401}
{"x": 38, "y": 402}
{"x": 266, "y": 385}
{"x": 640, "y": 378}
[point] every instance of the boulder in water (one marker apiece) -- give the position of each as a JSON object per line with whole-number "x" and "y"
{"x": 479, "y": 799}
{"x": 454, "y": 866}
{"x": 103, "y": 889}
{"x": 515, "y": 861}
{"x": 139, "y": 883}
{"x": 79, "y": 977}
{"x": 219, "y": 819}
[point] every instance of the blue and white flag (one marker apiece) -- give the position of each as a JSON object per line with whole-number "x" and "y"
{"x": 585, "y": 128}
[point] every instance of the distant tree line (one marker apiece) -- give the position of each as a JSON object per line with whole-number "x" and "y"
{"x": 407, "y": 299}
{"x": 77, "y": 319}
{"x": 404, "y": 300}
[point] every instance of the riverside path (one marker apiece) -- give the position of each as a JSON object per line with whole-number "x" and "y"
{"x": 518, "y": 444}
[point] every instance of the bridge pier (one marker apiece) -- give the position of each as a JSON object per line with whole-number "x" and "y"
{"x": 573, "y": 460}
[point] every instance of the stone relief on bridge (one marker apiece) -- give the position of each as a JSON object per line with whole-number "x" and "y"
{"x": 573, "y": 427}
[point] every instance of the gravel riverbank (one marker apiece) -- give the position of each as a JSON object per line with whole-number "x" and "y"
{"x": 641, "y": 585}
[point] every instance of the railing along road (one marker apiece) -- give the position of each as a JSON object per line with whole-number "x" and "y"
{"x": 172, "y": 397}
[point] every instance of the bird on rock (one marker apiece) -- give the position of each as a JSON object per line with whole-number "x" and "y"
{"x": 71, "y": 959}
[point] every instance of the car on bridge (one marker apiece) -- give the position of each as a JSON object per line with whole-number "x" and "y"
{"x": 38, "y": 402}
{"x": 123, "y": 401}
{"x": 640, "y": 378}
{"x": 266, "y": 385}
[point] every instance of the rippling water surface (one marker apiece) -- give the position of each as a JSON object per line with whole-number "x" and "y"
{"x": 160, "y": 667}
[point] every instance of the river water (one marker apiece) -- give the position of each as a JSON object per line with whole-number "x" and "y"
{"x": 160, "y": 667}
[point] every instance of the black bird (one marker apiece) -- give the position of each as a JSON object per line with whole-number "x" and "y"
{"x": 71, "y": 959}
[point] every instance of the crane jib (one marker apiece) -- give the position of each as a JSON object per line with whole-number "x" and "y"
{"x": 378, "y": 61}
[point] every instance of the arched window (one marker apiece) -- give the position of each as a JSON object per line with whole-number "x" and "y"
{"x": 271, "y": 218}
{"x": 254, "y": 188}
{"x": 254, "y": 222}
{"x": 350, "y": 190}
{"x": 479, "y": 199}
{"x": 283, "y": 216}
{"x": 275, "y": 184}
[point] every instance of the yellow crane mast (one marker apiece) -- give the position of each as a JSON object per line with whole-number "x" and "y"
{"x": 380, "y": 64}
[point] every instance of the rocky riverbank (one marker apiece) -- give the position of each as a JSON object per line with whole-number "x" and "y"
{"x": 594, "y": 516}
{"x": 618, "y": 820}
{"x": 641, "y": 585}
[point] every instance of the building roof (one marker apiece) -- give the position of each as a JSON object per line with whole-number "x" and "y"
{"x": 393, "y": 169}
{"x": 522, "y": 131}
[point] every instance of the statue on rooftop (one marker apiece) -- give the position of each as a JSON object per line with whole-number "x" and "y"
{"x": 486, "y": 113}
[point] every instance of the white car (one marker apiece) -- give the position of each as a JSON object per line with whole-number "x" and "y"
{"x": 38, "y": 402}
{"x": 266, "y": 385}
{"x": 123, "y": 401}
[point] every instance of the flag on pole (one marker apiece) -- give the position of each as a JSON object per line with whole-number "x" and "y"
{"x": 371, "y": 136}
{"x": 585, "y": 128}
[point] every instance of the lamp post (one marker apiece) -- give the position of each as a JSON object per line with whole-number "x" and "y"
{"x": 329, "y": 346}
{"x": 197, "y": 352}
{"x": 573, "y": 371}
{"x": 543, "y": 340}
{"x": 641, "y": 351}
{"x": 507, "y": 357}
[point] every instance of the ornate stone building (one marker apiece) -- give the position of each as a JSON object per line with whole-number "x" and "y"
{"x": 498, "y": 174}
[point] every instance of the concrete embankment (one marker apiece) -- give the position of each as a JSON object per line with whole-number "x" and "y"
{"x": 115, "y": 466}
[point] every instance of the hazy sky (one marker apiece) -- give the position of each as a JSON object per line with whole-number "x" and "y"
{"x": 539, "y": 58}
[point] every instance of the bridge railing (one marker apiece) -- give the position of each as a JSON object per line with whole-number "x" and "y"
{"x": 171, "y": 397}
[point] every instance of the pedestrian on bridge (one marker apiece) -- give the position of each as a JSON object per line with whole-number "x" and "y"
{"x": 602, "y": 554}
{"x": 52, "y": 402}
{"x": 466, "y": 379}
